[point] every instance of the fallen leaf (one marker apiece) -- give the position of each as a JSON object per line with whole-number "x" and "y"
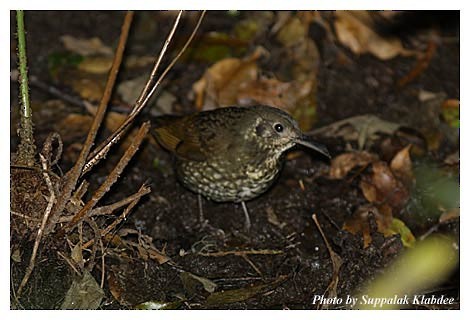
{"x": 157, "y": 256}
{"x": 359, "y": 221}
{"x": 355, "y": 31}
{"x": 292, "y": 32}
{"x": 342, "y": 164}
{"x": 363, "y": 129}
{"x": 399, "y": 227}
{"x": 451, "y": 112}
{"x": 83, "y": 294}
{"x": 449, "y": 215}
{"x": 74, "y": 126}
{"x": 16, "y": 255}
{"x": 237, "y": 295}
{"x": 115, "y": 288}
{"x": 96, "y": 65}
{"x": 253, "y": 26}
{"x": 402, "y": 167}
{"x": 129, "y": 90}
{"x": 269, "y": 91}
{"x": 383, "y": 187}
{"x": 86, "y": 47}
{"x": 90, "y": 88}
{"x": 453, "y": 159}
{"x": 190, "y": 281}
{"x": 220, "y": 84}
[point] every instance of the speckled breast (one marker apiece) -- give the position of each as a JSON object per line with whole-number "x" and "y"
{"x": 223, "y": 182}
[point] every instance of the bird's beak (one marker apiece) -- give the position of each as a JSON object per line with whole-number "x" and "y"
{"x": 309, "y": 143}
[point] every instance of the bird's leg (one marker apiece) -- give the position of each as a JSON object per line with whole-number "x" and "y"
{"x": 202, "y": 221}
{"x": 247, "y": 217}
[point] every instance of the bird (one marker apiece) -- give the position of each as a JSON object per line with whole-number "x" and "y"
{"x": 231, "y": 154}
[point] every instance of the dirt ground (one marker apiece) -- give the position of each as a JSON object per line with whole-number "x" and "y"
{"x": 282, "y": 262}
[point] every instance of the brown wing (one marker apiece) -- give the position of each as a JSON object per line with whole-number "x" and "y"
{"x": 176, "y": 135}
{"x": 206, "y": 134}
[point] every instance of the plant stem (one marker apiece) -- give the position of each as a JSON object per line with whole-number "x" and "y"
{"x": 26, "y": 148}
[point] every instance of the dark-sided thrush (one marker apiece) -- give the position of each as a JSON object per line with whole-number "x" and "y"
{"x": 231, "y": 154}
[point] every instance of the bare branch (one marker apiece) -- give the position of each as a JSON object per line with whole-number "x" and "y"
{"x": 32, "y": 261}
{"x": 73, "y": 175}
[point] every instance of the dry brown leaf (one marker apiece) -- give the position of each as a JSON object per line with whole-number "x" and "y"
{"x": 388, "y": 189}
{"x": 86, "y": 47}
{"x": 292, "y": 32}
{"x": 368, "y": 190}
{"x": 296, "y": 97}
{"x": 97, "y": 65}
{"x": 220, "y": 83}
{"x": 402, "y": 166}
{"x": 74, "y": 126}
{"x": 154, "y": 254}
{"x": 264, "y": 91}
{"x": 342, "y": 164}
{"x": 355, "y": 31}
{"x": 117, "y": 291}
{"x": 449, "y": 215}
{"x": 359, "y": 221}
{"x": 90, "y": 89}
{"x": 386, "y": 224}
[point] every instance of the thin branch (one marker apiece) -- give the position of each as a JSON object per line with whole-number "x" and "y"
{"x": 111, "y": 178}
{"x": 143, "y": 189}
{"x": 153, "y": 74}
{"x": 240, "y": 253}
{"x": 24, "y": 216}
{"x": 101, "y": 151}
{"x": 32, "y": 261}
{"x": 109, "y": 209}
{"x": 175, "y": 59}
{"x": 74, "y": 174}
{"x": 336, "y": 261}
{"x": 70, "y": 263}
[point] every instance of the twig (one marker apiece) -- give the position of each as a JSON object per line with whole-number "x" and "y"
{"x": 244, "y": 256}
{"x": 153, "y": 74}
{"x": 24, "y": 216}
{"x": 421, "y": 65}
{"x": 240, "y": 253}
{"x": 96, "y": 231}
{"x": 175, "y": 59}
{"x": 32, "y": 261}
{"x": 47, "y": 148}
{"x": 26, "y": 148}
{"x": 101, "y": 151}
{"x": 109, "y": 209}
{"x": 336, "y": 261}
{"x": 103, "y": 265}
{"x": 73, "y": 175}
{"x": 111, "y": 178}
{"x": 143, "y": 189}
{"x": 71, "y": 264}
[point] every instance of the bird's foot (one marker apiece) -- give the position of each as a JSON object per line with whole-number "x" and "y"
{"x": 247, "y": 224}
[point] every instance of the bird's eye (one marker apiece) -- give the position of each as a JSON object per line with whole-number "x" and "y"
{"x": 278, "y": 127}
